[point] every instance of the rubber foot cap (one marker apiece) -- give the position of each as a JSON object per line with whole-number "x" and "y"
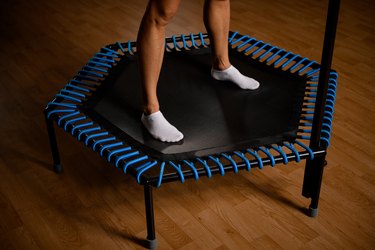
{"x": 58, "y": 168}
{"x": 313, "y": 212}
{"x": 151, "y": 244}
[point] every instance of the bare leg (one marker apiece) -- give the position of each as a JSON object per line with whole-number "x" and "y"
{"x": 216, "y": 19}
{"x": 150, "y": 48}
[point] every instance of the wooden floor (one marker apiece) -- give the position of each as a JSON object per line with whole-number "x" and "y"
{"x": 93, "y": 206}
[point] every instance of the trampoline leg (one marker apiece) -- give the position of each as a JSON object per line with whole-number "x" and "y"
{"x": 312, "y": 183}
{"x": 151, "y": 237}
{"x": 57, "y": 167}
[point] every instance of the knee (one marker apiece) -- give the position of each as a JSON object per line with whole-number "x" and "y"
{"x": 165, "y": 16}
{"x": 162, "y": 15}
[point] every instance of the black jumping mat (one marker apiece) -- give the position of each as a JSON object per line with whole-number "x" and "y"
{"x": 214, "y": 116}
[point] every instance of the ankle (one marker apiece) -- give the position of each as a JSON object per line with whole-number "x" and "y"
{"x": 149, "y": 109}
{"x": 219, "y": 64}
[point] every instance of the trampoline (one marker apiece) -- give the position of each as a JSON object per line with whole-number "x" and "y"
{"x": 289, "y": 118}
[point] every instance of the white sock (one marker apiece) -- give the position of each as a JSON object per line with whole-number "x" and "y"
{"x": 232, "y": 74}
{"x": 160, "y": 128}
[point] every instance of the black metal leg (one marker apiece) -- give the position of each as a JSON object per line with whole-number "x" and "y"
{"x": 57, "y": 167}
{"x": 312, "y": 183}
{"x": 151, "y": 237}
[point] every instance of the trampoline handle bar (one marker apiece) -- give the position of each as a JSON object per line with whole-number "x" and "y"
{"x": 326, "y": 61}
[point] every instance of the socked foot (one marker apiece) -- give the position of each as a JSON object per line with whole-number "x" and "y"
{"x": 233, "y": 75}
{"x": 160, "y": 128}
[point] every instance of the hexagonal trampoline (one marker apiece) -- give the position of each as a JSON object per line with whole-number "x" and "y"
{"x": 225, "y": 128}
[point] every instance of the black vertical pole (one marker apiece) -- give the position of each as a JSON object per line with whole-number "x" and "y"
{"x": 151, "y": 237}
{"x": 314, "y": 168}
{"x": 326, "y": 62}
{"x": 57, "y": 167}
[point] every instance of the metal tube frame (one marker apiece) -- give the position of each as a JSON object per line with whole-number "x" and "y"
{"x": 151, "y": 236}
{"x": 57, "y": 167}
{"x": 314, "y": 168}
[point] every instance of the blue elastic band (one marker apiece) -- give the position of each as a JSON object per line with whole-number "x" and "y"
{"x": 66, "y": 116}
{"x": 100, "y": 63}
{"x": 304, "y": 137}
{"x": 218, "y": 163}
{"x": 87, "y": 131}
{"x": 233, "y": 35}
{"x": 312, "y": 72}
{"x": 305, "y": 67}
{"x": 307, "y": 149}
{"x": 289, "y": 61}
{"x": 120, "y": 150}
{"x": 88, "y": 84}
{"x": 62, "y": 104}
{"x": 136, "y": 160}
{"x": 334, "y": 74}
{"x": 311, "y": 100}
{"x": 267, "y": 52}
{"x": 305, "y": 130}
{"x": 87, "y": 78}
{"x": 144, "y": 168}
{"x": 130, "y": 47}
{"x": 96, "y": 69}
{"x": 255, "y": 154}
{"x": 242, "y": 156}
{"x": 274, "y": 55}
{"x": 281, "y": 58}
{"x": 94, "y": 136}
{"x": 175, "y": 43}
{"x": 184, "y": 41}
{"x": 252, "y": 46}
{"x": 69, "y": 97}
{"x": 161, "y": 173}
{"x": 203, "y": 43}
{"x": 73, "y": 120}
{"x": 193, "y": 44}
{"x": 208, "y": 170}
{"x": 59, "y": 111}
{"x": 281, "y": 152}
{"x": 298, "y": 63}
{"x": 260, "y": 49}
{"x": 90, "y": 73}
{"x": 107, "y": 55}
{"x": 120, "y": 46}
{"x": 103, "y": 140}
{"x": 234, "y": 164}
{"x": 111, "y": 50}
{"x": 267, "y": 152}
{"x": 77, "y": 88}
{"x": 325, "y": 140}
{"x": 295, "y": 152}
{"x": 305, "y": 124}
{"x": 81, "y": 126}
{"x": 193, "y": 169}
{"x": 239, "y": 39}
{"x": 103, "y": 59}
{"x": 178, "y": 169}
{"x": 108, "y": 146}
{"x": 73, "y": 93}
{"x": 124, "y": 157}
{"x": 245, "y": 43}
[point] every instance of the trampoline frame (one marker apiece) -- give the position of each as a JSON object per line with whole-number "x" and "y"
{"x": 315, "y": 127}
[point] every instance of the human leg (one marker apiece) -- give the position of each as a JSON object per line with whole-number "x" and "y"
{"x": 216, "y": 19}
{"x": 150, "y": 49}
